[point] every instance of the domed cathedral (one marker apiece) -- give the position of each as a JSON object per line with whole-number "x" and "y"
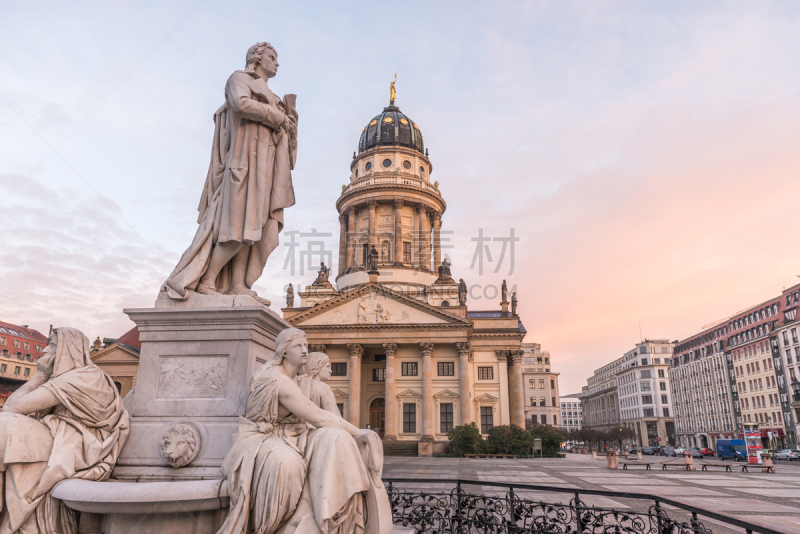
{"x": 409, "y": 358}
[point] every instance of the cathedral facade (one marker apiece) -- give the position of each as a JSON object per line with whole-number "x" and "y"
{"x": 410, "y": 358}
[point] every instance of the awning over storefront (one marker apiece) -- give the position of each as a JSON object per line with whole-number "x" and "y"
{"x": 776, "y": 432}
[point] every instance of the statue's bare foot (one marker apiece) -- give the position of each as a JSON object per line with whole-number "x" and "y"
{"x": 205, "y": 289}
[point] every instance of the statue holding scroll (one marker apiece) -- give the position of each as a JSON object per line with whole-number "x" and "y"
{"x": 248, "y": 186}
{"x": 80, "y": 432}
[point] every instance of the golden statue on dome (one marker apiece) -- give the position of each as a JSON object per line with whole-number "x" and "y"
{"x": 392, "y": 92}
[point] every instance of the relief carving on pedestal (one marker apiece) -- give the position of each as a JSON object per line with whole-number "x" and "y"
{"x": 193, "y": 377}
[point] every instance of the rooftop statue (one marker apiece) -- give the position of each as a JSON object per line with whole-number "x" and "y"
{"x": 80, "y": 437}
{"x": 296, "y": 467}
{"x": 248, "y": 186}
{"x": 392, "y": 92}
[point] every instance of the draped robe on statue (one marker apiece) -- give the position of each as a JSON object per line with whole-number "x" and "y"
{"x": 80, "y": 438}
{"x": 249, "y": 184}
{"x": 285, "y": 477}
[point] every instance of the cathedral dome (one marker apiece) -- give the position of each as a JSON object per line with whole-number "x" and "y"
{"x": 391, "y": 128}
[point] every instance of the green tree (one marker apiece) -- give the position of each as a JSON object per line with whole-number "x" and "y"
{"x": 509, "y": 439}
{"x": 551, "y": 438}
{"x": 465, "y": 439}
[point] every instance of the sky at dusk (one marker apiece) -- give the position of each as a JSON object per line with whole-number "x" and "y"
{"x": 646, "y": 155}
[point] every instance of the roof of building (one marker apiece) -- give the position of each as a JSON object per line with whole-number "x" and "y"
{"x": 130, "y": 339}
{"x": 489, "y": 314}
{"x": 391, "y": 128}
{"x": 22, "y": 332}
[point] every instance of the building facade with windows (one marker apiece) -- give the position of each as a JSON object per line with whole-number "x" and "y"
{"x": 735, "y": 373}
{"x": 541, "y": 387}
{"x": 119, "y": 358}
{"x": 702, "y": 391}
{"x": 644, "y": 394}
{"x": 786, "y": 352}
{"x": 20, "y": 348}
{"x": 410, "y": 357}
{"x": 600, "y": 398}
{"x": 571, "y": 412}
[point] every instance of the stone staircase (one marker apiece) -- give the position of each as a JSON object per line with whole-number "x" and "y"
{"x": 399, "y": 448}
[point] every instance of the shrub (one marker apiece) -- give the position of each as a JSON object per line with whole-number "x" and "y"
{"x": 551, "y": 438}
{"x": 509, "y": 439}
{"x": 465, "y": 439}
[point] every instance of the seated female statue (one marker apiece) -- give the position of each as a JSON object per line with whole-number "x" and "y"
{"x": 294, "y": 467}
{"x": 81, "y": 430}
{"x": 312, "y": 382}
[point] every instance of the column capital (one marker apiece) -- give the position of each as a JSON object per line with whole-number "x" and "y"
{"x": 426, "y": 348}
{"x": 463, "y": 347}
{"x": 398, "y": 203}
{"x": 372, "y": 204}
{"x": 516, "y": 356}
{"x": 343, "y": 218}
{"x": 502, "y": 355}
{"x": 422, "y": 208}
{"x": 351, "y": 210}
{"x": 318, "y": 348}
{"x": 390, "y": 349}
{"x": 436, "y": 215}
{"x": 355, "y": 350}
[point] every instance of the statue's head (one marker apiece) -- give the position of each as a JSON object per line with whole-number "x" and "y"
{"x": 318, "y": 366}
{"x": 67, "y": 349}
{"x": 180, "y": 444}
{"x": 262, "y": 59}
{"x": 291, "y": 344}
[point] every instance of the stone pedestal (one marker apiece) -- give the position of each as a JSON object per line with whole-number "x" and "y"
{"x": 638, "y": 454}
{"x": 195, "y": 366}
{"x": 688, "y": 461}
{"x": 612, "y": 459}
{"x": 425, "y": 448}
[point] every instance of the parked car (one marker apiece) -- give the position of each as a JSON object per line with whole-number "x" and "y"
{"x": 788, "y": 454}
{"x": 665, "y": 450}
{"x": 649, "y": 450}
{"x": 707, "y": 452}
{"x": 695, "y": 452}
{"x": 678, "y": 451}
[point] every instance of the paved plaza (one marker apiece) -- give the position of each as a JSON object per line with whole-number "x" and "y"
{"x": 772, "y": 500}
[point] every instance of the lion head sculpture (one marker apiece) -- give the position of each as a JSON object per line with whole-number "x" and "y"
{"x": 180, "y": 444}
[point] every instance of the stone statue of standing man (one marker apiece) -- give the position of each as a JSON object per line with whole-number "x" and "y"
{"x": 248, "y": 186}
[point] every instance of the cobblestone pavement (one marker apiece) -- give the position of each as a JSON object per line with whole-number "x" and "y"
{"x": 772, "y": 500}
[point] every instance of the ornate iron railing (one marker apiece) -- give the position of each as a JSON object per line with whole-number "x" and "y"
{"x": 459, "y": 512}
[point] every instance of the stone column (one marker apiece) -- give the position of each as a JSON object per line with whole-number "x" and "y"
{"x": 426, "y": 240}
{"x": 391, "y": 394}
{"x": 437, "y": 239}
{"x": 398, "y": 232}
{"x": 342, "y": 243}
{"x": 516, "y": 389}
{"x": 351, "y": 237}
{"x": 427, "y": 390}
{"x": 373, "y": 224}
{"x": 422, "y": 215}
{"x": 465, "y": 393}
{"x": 354, "y": 394}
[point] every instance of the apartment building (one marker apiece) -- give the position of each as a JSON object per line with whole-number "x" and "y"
{"x": 599, "y": 398}
{"x": 540, "y": 386}
{"x": 571, "y": 412}
{"x": 786, "y": 351}
{"x": 644, "y": 393}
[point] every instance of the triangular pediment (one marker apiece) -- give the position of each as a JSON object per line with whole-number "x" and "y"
{"x": 115, "y": 353}
{"x": 409, "y": 393}
{"x": 486, "y": 398}
{"x": 446, "y": 394}
{"x": 374, "y": 304}
{"x": 339, "y": 393}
